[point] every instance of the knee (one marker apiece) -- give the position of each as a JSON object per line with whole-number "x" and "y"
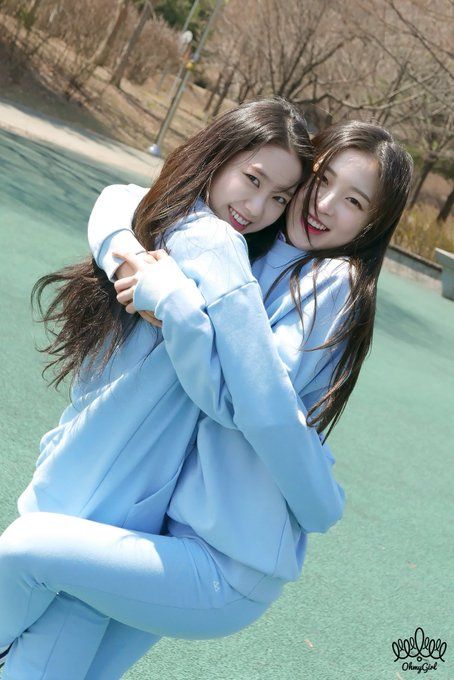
{"x": 21, "y": 536}
{"x": 12, "y": 548}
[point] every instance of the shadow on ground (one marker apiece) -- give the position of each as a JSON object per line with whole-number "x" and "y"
{"x": 51, "y": 182}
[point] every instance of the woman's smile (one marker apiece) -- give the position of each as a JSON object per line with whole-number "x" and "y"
{"x": 237, "y": 220}
{"x": 314, "y": 226}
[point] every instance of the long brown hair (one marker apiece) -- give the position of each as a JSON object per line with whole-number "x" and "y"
{"x": 365, "y": 253}
{"x": 84, "y": 317}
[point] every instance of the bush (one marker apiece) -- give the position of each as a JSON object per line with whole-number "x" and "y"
{"x": 420, "y": 233}
{"x": 156, "y": 51}
{"x": 79, "y": 24}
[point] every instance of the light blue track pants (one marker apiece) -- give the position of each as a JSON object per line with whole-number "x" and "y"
{"x": 161, "y": 585}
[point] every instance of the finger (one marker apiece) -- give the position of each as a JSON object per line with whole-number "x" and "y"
{"x": 130, "y": 308}
{"x": 154, "y": 321}
{"x": 130, "y": 258}
{"x": 125, "y": 282}
{"x": 136, "y": 262}
{"x": 147, "y": 256}
{"x": 150, "y": 317}
{"x": 126, "y": 296}
{"x": 159, "y": 254}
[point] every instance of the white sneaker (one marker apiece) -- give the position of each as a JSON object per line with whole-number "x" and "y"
{"x": 4, "y": 653}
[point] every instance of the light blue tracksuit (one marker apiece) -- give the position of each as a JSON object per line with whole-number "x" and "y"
{"x": 250, "y": 487}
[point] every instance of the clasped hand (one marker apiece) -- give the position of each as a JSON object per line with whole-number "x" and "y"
{"x": 127, "y": 279}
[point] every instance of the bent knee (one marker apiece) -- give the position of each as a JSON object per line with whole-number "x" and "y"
{"x": 25, "y": 533}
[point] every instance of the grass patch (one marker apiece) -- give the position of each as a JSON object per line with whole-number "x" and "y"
{"x": 420, "y": 233}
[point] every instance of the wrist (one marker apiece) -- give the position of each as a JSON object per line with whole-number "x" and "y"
{"x": 157, "y": 281}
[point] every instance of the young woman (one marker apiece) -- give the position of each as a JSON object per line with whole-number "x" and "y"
{"x": 246, "y": 508}
{"x": 111, "y": 354}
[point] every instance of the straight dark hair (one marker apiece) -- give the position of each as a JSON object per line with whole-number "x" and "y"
{"x": 365, "y": 253}
{"x": 84, "y": 318}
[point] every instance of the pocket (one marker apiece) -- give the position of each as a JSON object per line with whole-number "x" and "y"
{"x": 148, "y": 514}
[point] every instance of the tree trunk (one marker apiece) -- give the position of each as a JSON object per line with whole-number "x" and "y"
{"x": 224, "y": 92}
{"x": 34, "y": 8}
{"x": 214, "y": 92}
{"x": 122, "y": 63}
{"x": 244, "y": 92}
{"x": 428, "y": 164}
{"x": 446, "y": 209}
{"x": 100, "y": 56}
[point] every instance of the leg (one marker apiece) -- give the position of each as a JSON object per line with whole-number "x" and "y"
{"x": 120, "y": 648}
{"x": 50, "y": 643}
{"x": 55, "y": 640}
{"x": 159, "y": 584}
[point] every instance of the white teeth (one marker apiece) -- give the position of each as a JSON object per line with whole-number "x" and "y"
{"x": 238, "y": 218}
{"x": 316, "y": 225}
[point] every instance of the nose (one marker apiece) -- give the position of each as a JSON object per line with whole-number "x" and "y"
{"x": 255, "y": 206}
{"x": 325, "y": 202}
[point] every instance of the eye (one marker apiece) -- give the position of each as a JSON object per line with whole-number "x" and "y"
{"x": 281, "y": 200}
{"x": 355, "y": 202}
{"x": 324, "y": 179}
{"x": 253, "y": 179}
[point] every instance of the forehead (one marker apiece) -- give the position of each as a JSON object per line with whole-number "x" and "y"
{"x": 356, "y": 169}
{"x": 282, "y": 167}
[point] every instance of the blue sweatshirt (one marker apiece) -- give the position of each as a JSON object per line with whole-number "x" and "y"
{"x": 257, "y": 479}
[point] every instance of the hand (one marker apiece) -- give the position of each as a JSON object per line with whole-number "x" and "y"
{"x": 125, "y": 286}
{"x": 126, "y": 269}
{"x": 150, "y": 317}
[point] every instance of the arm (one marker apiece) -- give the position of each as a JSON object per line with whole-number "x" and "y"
{"x": 316, "y": 502}
{"x": 272, "y": 417}
{"x": 227, "y": 343}
{"x": 109, "y": 231}
{"x": 109, "y": 225}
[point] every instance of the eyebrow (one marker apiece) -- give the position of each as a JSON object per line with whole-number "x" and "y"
{"x": 284, "y": 190}
{"x": 358, "y": 191}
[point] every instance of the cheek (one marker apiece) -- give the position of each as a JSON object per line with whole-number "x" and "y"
{"x": 349, "y": 227}
{"x": 278, "y": 209}
{"x": 272, "y": 211}
{"x": 214, "y": 192}
{"x": 222, "y": 187}
{"x": 294, "y": 210}
{"x": 359, "y": 223}
{"x": 298, "y": 202}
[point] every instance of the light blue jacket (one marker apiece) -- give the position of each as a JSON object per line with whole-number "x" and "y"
{"x": 257, "y": 479}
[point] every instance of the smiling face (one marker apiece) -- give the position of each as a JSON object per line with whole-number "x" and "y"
{"x": 343, "y": 203}
{"x": 252, "y": 190}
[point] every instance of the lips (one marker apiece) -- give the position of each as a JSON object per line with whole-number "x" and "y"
{"x": 314, "y": 226}
{"x": 237, "y": 220}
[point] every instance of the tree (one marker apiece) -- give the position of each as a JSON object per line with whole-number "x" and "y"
{"x": 122, "y": 63}
{"x": 435, "y": 133}
{"x": 275, "y": 48}
{"x": 446, "y": 208}
{"x": 175, "y": 13}
{"x": 118, "y": 17}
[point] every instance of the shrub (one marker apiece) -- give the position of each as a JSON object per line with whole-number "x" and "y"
{"x": 420, "y": 233}
{"x": 156, "y": 51}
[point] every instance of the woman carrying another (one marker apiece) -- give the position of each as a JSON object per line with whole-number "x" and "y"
{"x": 243, "y": 499}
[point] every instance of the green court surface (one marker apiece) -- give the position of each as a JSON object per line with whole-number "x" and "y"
{"x": 384, "y": 570}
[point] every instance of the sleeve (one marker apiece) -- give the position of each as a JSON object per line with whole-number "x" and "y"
{"x": 109, "y": 225}
{"x": 224, "y": 353}
{"x": 271, "y": 415}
